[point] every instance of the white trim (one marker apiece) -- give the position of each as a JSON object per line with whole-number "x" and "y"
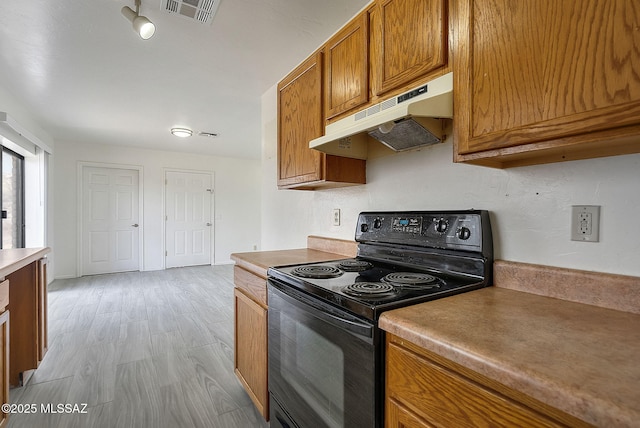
{"x": 164, "y": 212}
{"x": 11, "y": 130}
{"x": 140, "y": 169}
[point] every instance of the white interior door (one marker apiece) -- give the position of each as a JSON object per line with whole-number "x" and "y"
{"x": 110, "y": 220}
{"x": 188, "y": 218}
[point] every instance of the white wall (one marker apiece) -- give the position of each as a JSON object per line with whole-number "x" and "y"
{"x": 236, "y": 199}
{"x": 38, "y": 191}
{"x": 530, "y": 205}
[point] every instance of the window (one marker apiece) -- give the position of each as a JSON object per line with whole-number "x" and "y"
{"x": 12, "y": 169}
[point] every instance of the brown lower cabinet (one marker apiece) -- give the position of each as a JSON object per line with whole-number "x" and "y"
{"x": 250, "y": 342}
{"x": 28, "y": 305}
{"x": 424, "y": 389}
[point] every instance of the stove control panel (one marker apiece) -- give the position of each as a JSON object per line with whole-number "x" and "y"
{"x": 403, "y": 224}
{"x": 449, "y": 230}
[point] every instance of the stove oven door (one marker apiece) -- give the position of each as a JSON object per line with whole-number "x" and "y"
{"x": 322, "y": 364}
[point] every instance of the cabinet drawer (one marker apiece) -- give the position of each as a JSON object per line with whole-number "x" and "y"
{"x": 4, "y": 294}
{"x": 446, "y": 398}
{"x": 251, "y": 284}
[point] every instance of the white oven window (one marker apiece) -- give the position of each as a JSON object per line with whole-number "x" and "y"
{"x": 314, "y": 367}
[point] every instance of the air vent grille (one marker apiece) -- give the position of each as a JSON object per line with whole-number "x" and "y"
{"x": 201, "y": 11}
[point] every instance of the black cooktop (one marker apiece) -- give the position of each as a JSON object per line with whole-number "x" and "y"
{"x": 367, "y": 288}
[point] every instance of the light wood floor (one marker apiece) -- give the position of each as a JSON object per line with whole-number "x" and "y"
{"x": 141, "y": 349}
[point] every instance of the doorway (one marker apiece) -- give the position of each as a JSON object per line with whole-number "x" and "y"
{"x": 109, "y": 220}
{"x": 188, "y": 224}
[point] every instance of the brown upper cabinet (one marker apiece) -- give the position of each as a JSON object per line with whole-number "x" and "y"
{"x": 347, "y": 67}
{"x": 409, "y": 40}
{"x": 545, "y": 81}
{"x": 388, "y": 48}
{"x": 301, "y": 119}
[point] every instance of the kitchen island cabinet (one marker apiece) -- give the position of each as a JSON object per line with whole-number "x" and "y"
{"x": 510, "y": 355}
{"x": 545, "y": 81}
{"x": 25, "y": 270}
{"x": 251, "y": 306}
{"x": 23, "y": 316}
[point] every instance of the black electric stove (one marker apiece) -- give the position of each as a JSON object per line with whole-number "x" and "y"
{"x": 326, "y": 351}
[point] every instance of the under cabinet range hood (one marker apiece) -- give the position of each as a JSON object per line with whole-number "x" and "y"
{"x": 406, "y": 121}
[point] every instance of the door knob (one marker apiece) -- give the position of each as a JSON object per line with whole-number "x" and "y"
{"x": 208, "y": 224}
{"x": 135, "y": 225}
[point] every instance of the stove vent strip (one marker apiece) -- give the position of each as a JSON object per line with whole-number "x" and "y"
{"x": 201, "y": 11}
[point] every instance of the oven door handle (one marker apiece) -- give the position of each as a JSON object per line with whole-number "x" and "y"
{"x": 322, "y": 311}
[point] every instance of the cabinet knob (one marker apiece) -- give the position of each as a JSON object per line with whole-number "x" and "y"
{"x": 135, "y": 225}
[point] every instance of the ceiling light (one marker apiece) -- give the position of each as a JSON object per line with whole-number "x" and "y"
{"x": 182, "y": 132}
{"x": 141, "y": 24}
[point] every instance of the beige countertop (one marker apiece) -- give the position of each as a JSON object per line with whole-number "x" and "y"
{"x": 319, "y": 250}
{"x": 576, "y": 357}
{"x": 15, "y": 258}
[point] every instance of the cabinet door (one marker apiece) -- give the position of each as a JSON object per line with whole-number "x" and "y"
{"x": 419, "y": 389}
{"x": 552, "y": 78}
{"x": 4, "y": 365}
{"x": 23, "y": 304}
{"x": 399, "y": 417}
{"x": 299, "y": 121}
{"x": 347, "y": 67}
{"x": 250, "y": 356}
{"x": 411, "y": 41}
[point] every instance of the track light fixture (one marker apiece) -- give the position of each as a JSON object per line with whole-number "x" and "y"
{"x": 141, "y": 24}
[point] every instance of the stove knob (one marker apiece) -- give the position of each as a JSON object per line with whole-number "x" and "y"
{"x": 463, "y": 233}
{"x": 377, "y": 223}
{"x": 364, "y": 227}
{"x": 441, "y": 225}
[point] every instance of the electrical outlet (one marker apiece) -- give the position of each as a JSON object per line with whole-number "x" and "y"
{"x": 585, "y": 223}
{"x": 336, "y": 216}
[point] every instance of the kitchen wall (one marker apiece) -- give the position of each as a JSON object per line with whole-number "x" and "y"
{"x": 236, "y": 199}
{"x": 530, "y": 206}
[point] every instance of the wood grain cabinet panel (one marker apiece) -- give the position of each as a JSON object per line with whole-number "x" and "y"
{"x": 411, "y": 41}
{"x": 425, "y": 390}
{"x": 28, "y": 306}
{"x": 250, "y": 342}
{"x": 300, "y": 120}
{"x": 347, "y": 67}
{"x": 4, "y": 365}
{"x": 43, "y": 327}
{"x": 546, "y": 81}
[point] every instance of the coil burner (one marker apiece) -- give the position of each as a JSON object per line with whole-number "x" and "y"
{"x": 370, "y": 290}
{"x": 412, "y": 280}
{"x": 317, "y": 272}
{"x": 354, "y": 265}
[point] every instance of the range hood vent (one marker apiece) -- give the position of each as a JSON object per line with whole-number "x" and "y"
{"x": 407, "y": 121}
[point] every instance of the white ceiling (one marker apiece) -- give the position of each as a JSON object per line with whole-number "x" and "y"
{"x": 86, "y": 76}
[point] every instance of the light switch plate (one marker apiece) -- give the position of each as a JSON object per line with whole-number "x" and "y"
{"x": 585, "y": 223}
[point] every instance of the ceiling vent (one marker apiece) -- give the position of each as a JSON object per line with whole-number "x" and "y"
{"x": 202, "y": 11}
